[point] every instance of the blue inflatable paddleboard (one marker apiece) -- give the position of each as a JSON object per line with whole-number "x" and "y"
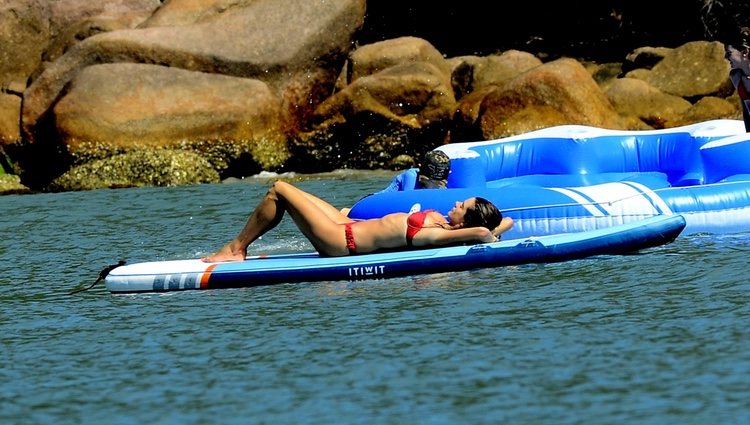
{"x": 178, "y": 275}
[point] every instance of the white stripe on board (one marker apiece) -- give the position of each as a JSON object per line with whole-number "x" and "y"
{"x": 616, "y": 199}
{"x": 585, "y": 203}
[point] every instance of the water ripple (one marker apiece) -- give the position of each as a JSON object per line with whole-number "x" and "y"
{"x": 657, "y": 337}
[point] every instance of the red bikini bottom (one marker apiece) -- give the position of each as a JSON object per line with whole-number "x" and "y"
{"x": 351, "y": 245}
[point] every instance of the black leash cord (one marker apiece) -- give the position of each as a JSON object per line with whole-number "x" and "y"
{"x": 102, "y": 274}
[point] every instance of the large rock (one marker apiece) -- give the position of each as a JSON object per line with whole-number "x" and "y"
{"x": 261, "y": 40}
{"x": 644, "y": 57}
{"x": 297, "y": 55}
{"x": 694, "y": 69}
{"x": 34, "y": 32}
{"x": 176, "y": 13}
{"x": 556, "y": 93}
{"x": 638, "y": 98}
{"x": 71, "y": 21}
{"x": 373, "y": 58}
{"x": 167, "y": 107}
{"x": 24, "y": 33}
{"x": 708, "y": 108}
{"x": 10, "y": 109}
{"x": 393, "y": 97}
{"x": 474, "y": 78}
{"x": 471, "y": 73}
{"x": 399, "y": 101}
{"x": 131, "y": 13}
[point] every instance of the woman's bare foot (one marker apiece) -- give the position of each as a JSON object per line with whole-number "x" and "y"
{"x": 227, "y": 253}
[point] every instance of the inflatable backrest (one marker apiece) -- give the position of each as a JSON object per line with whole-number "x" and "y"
{"x": 726, "y": 158}
{"x": 587, "y": 150}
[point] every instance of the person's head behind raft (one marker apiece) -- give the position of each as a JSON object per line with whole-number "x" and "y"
{"x": 433, "y": 174}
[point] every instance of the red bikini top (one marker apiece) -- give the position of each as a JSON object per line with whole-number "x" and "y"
{"x": 415, "y": 223}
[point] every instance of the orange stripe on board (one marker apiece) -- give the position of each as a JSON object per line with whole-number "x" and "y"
{"x": 206, "y": 275}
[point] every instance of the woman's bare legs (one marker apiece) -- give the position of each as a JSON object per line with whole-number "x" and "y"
{"x": 266, "y": 215}
{"x": 319, "y": 221}
{"x": 329, "y": 210}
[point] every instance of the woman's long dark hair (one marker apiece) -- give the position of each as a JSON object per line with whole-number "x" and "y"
{"x": 484, "y": 214}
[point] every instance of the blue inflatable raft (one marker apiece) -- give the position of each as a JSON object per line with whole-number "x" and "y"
{"x": 180, "y": 275}
{"x": 577, "y": 178}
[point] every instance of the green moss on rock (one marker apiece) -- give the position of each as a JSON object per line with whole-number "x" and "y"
{"x": 159, "y": 167}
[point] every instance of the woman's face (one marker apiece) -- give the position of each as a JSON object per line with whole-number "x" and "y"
{"x": 457, "y": 213}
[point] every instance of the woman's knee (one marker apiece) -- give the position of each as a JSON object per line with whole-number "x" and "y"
{"x": 277, "y": 187}
{"x": 280, "y": 186}
{"x": 283, "y": 190}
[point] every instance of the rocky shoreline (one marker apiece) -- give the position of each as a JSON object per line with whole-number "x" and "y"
{"x": 164, "y": 94}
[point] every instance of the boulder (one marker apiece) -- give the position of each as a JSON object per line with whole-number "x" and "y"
{"x": 373, "y": 58}
{"x": 556, "y": 93}
{"x": 10, "y": 111}
{"x": 74, "y": 20}
{"x": 470, "y": 73}
{"x": 474, "y": 78}
{"x": 241, "y": 41}
{"x": 635, "y": 97}
{"x": 106, "y": 110}
{"x": 24, "y": 31}
{"x": 291, "y": 61}
{"x": 708, "y": 108}
{"x": 248, "y": 85}
{"x": 697, "y": 68}
{"x": 644, "y": 57}
{"x": 398, "y": 101}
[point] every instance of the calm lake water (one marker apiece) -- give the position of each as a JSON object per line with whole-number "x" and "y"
{"x": 660, "y": 337}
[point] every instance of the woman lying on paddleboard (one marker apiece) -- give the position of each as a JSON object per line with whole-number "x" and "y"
{"x": 334, "y": 234}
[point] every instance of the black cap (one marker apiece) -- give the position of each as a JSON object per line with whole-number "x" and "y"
{"x": 436, "y": 165}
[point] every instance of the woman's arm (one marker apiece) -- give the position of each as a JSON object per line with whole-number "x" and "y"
{"x": 442, "y": 236}
{"x": 439, "y": 236}
{"x": 503, "y": 227}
